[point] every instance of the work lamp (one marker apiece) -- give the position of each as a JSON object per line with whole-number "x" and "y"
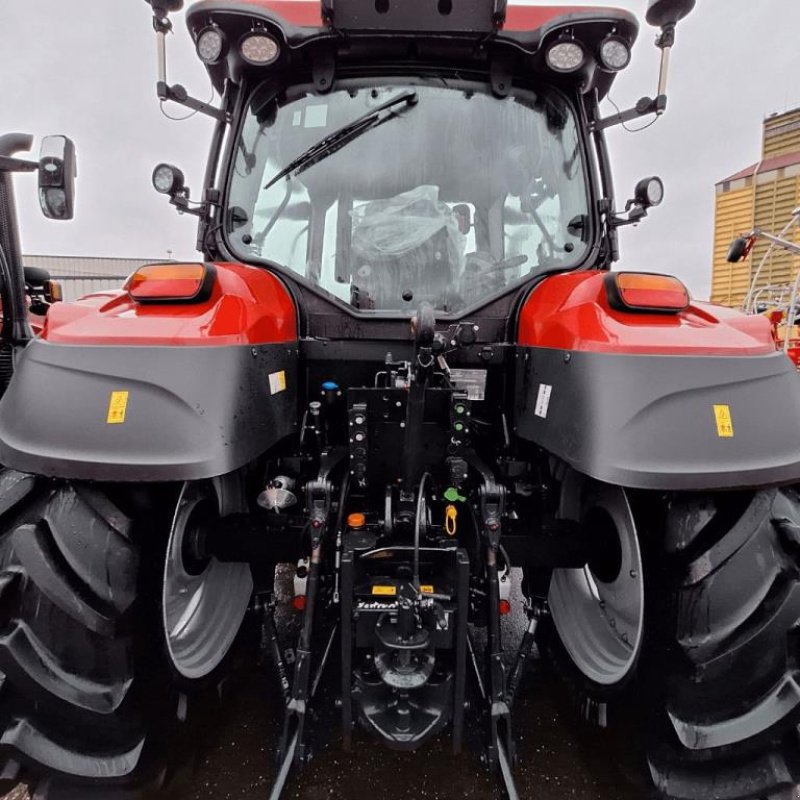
{"x": 615, "y": 54}
{"x": 566, "y": 55}
{"x": 167, "y": 179}
{"x": 211, "y": 45}
{"x": 259, "y": 49}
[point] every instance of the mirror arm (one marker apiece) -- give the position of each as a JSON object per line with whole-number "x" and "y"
{"x": 178, "y": 94}
{"x": 645, "y": 106}
{"x": 785, "y": 243}
{"x": 665, "y": 42}
{"x": 9, "y": 164}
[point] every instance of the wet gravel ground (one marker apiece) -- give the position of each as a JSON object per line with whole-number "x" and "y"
{"x": 558, "y": 757}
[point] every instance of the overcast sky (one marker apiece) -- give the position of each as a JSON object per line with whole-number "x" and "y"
{"x": 88, "y": 70}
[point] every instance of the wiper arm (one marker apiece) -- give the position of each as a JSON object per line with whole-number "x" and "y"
{"x": 338, "y": 139}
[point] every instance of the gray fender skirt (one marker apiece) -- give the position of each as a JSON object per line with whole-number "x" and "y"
{"x": 128, "y": 413}
{"x": 663, "y": 422}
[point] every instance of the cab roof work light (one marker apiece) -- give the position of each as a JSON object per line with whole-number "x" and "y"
{"x": 566, "y": 55}
{"x": 171, "y": 283}
{"x": 646, "y": 293}
{"x": 615, "y": 53}
{"x": 259, "y": 49}
{"x": 211, "y": 45}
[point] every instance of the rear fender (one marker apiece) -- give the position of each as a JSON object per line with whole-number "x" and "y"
{"x": 698, "y": 400}
{"x": 146, "y": 413}
{"x": 118, "y": 391}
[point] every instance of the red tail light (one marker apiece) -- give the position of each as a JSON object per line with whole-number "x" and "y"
{"x": 645, "y": 292}
{"x": 171, "y": 283}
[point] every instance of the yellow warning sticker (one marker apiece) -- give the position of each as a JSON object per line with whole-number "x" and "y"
{"x": 277, "y": 382}
{"x": 117, "y": 406}
{"x": 426, "y": 589}
{"x": 724, "y": 421}
{"x": 387, "y": 591}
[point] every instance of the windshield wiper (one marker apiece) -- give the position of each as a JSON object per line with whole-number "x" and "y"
{"x": 338, "y": 139}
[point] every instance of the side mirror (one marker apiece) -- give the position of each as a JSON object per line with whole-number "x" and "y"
{"x": 36, "y": 277}
{"x": 57, "y": 171}
{"x": 661, "y": 13}
{"x": 165, "y": 6}
{"x": 738, "y": 250}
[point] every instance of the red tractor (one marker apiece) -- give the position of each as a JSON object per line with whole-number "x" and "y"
{"x": 403, "y": 365}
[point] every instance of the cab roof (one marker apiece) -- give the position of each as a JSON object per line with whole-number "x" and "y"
{"x": 526, "y": 29}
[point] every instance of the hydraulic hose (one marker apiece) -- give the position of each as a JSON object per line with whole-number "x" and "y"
{"x": 418, "y": 525}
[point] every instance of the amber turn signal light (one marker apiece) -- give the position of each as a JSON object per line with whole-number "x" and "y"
{"x": 171, "y": 283}
{"x": 53, "y": 292}
{"x": 646, "y": 292}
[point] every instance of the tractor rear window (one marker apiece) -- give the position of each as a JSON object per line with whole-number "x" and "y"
{"x": 385, "y": 196}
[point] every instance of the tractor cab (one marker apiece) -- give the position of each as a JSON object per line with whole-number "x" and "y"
{"x": 380, "y": 158}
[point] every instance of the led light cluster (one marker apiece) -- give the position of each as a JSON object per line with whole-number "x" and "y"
{"x": 211, "y": 45}
{"x": 256, "y": 48}
{"x": 168, "y": 179}
{"x": 259, "y": 49}
{"x": 569, "y": 55}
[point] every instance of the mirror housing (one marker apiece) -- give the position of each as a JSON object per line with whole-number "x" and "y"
{"x": 165, "y": 6}
{"x": 57, "y": 171}
{"x": 661, "y": 13}
{"x": 36, "y": 277}
{"x": 738, "y": 250}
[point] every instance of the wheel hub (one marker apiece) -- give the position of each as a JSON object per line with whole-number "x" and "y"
{"x": 598, "y": 610}
{"x": 203, "y": 600}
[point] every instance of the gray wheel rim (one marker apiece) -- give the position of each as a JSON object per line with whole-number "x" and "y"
{"x": 202, "y": 613}
{"x": 601, "y": 624}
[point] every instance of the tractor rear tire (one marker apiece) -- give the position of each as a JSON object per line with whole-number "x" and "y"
{"x": 732, "y": 684}
{"x": 87, "y": 698}
{"x": 720, "y": 654}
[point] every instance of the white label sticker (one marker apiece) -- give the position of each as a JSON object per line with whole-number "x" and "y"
{"x": 277, "y": 382}
{"x": 471, "y": 381}
{"x": 316, "y": 117}
{"x": 543, "y": 400}
{"x": 297, "y": 119}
